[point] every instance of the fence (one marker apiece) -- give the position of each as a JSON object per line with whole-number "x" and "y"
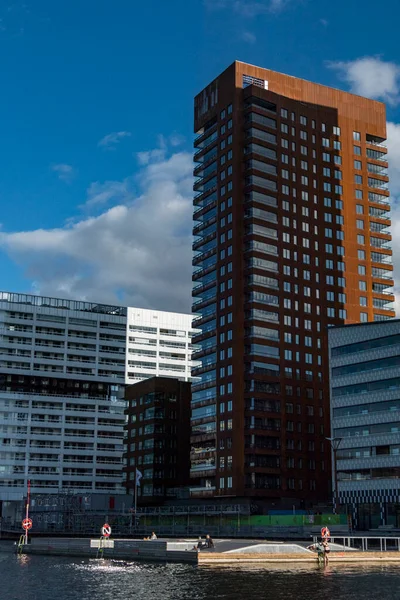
{"x": 366, "y": 543}
{"x": 183, "y": 521}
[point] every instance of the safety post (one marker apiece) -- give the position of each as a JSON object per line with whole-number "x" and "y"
{"x": 27, "y": 522}
{"x": 21, "y": 544}
{"x": 105, "y": 534}
{"x": 100, "y": 549}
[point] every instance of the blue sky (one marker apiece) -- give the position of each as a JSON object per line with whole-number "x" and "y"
{"x": 96, "y": 128}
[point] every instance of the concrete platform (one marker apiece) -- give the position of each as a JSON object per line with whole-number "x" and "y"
{"x": 128, "y": 549}
{"x": 229, "y": 552}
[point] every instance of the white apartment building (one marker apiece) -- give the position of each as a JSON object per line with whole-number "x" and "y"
{"x": 63, "y": 368}
{"x": 159, "y": 344}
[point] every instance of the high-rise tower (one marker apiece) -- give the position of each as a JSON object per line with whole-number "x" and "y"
{"x": 291, "y": 217}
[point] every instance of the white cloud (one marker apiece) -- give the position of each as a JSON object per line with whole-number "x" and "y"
{"x": 324, "y": 22}
{"x": 176, "y": 139}
{"x": 248, "y": 8}
{"x": 249, "y": 37}
{"x": 65, "y": 172}
{"x": 109, "y": 142}
{"x": 144, "y": 158}
{"x": 371, "y": 77}
{"x": 137, "y": 252}
{"x": 102, "y": 193}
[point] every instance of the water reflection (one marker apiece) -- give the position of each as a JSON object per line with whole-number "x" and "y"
{"x": 23, "y": 559}
{"x": 77, "y": 579}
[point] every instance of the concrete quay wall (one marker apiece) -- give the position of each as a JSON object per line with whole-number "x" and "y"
{"x": 123, "y": 549}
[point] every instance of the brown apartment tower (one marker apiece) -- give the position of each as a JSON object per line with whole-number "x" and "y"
{"x": 291, "y": 217}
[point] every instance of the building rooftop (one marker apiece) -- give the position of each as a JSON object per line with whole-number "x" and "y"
{"x": 61, "y": 303}
{"x": 394, "y": 320}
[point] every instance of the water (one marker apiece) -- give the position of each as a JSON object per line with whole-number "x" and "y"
{"x": 53, "y": 578}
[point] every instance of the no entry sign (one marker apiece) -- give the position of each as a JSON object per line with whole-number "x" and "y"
{"x": 325, "y": 533}
{"x": 27, "y": 524}
{"x": 106, "y": 530}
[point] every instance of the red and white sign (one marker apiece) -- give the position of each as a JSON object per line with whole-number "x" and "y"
{"x": 106, "y": 530}
{"x": 27, "y": 524}
{"x": 325, "y": 533}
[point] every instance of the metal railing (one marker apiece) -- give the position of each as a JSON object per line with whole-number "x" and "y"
{"x": 365, "y": 543}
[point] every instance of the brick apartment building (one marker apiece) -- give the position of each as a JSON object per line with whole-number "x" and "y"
{"x": 157, "y": 438}
{"x": 291, "y": 217}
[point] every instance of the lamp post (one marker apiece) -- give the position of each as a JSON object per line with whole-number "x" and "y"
{"x": 335, "y": 443}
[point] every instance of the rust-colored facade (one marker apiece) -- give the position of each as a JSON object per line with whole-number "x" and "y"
{"x": 157, "y": 438}
{"x": 291, "y": 237}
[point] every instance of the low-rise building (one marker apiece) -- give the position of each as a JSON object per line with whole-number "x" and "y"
{"x": 365, "y": 421}
{"x": 157, "y": 438}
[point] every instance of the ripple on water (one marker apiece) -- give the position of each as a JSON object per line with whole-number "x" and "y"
{"x": 52, "y": 578}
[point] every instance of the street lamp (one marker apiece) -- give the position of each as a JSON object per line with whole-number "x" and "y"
{"x": 335, "y": 443}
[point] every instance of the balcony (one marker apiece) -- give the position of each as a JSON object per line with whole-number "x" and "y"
{"x": 202, "y": 287}
{"x": 204, "y": 188}
{"x": 204, "y": 317}
{"x": 202, "y": 196}
{"x": 382, "y": 274}
{"x": 259, "y": 488}
{"x": 197, "y": 230}
{"x": 201, "y": 169}
{"x": 204, "y": 351}
{"x": 203, "y": 464}
{"x": 207, "y": 452}
{"x": 209, "y": 436}
{"x": 382, "y": 304}
{"x": 207, "y": 143}
{"x": 378, "y": 198}
{"x": 203, "y": 386}
{"x": 262, "y": 427}
{"x": 202, "y": 256}
{"x": 253, "y": 102}
{"x": 266, "y": 406}
{"x": 210, "y": 418}
{"x": 377, "y": 155}
{"x": 11, "y": 330}
{"x": 203, "y": 199}
{"x": 208, "y": 205}
{"x": 383, "y": 243}
{"x": 198, "y": 243}
{"x": 203, "y": 369}
{"x": 377, "y": 169}
{"x": 205, "y": 159}
{"x": 381, "y": 258}
{"x": 196, "y": 473}
{"x": 379, "y": 184}
{"x": 376, "y": 227}
{"x": 203, "y": 302}
{"x": 205, "y": 138}
{"x": 202, "y": 492}
{"x": 379, "y": 288}
{"x": 206, "y": 170}
{"x": 376, "y": 141}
